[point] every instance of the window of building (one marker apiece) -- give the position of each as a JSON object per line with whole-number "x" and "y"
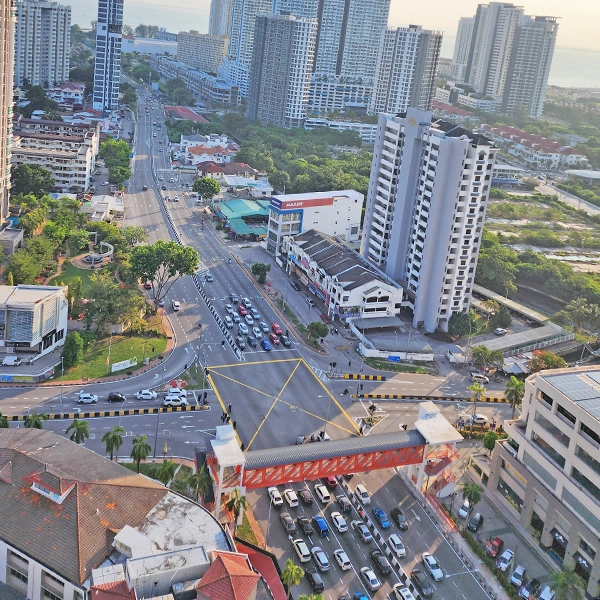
{"x": 587, "y": 458}
{"x": 548, "y": 450}
{"x": 547, "y": 399}
{"x": 552, "y": 429}
{"x": 561, "y": 410}
{"x": 578, "y": 476}
{"x": 583, "y": 428}
{"x": 589, "y": 550}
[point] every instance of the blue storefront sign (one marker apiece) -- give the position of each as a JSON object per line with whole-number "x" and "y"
{"x": 394, "y": 359}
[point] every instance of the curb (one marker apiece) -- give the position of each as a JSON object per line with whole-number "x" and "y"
{"x": 488, "y": 399}
{"x": 365, "y": 377}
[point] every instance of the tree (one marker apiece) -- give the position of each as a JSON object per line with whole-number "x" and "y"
{"x": 129, "y": 93}
{"x": 118, "y": 175}
{"x": 489, "y": 440}
{"x": 3, "y": 422}
{"x": 310, "y": 597}
{"x": 483, "y": 356}
{"x": 72, "y": 353}
{"x": 166, "y": 471}
{"x": 32, "y": 221}
{"x": 79, "y": 431}
{"x": 35, "y": 420}
{"x": 291, "y": 575}
{"x": 207, "y": 187}
{"x": 461, "y": 323}
{"x": 578, "y": 312}
{"x": 279, "y": 180}
{"x": 503, "y": 317}
{"x": 514, "y": 392}
{"x": 163, "y": 263}
{"x": 544, "y": 359}
{"x": 200, "y": 482}
{"x": 471, "y": 492}
{"x": 9, "y": 279}
{"x": 237, "y": 503}
{"x": 478, "y": 391}
{"x": 566, "y": 584}
{"x": 79, "y": 241}
{"x": 496, "y": 266}
{"x": 134, "y": 235}
{"x": 260, "y": 270}
{"x": 141, "y": 450}
{"x": 23, "y": 266}
{"x": 113, "y": 440}
{"x": 31, "y": 179}
{"x": 317, "y": 329}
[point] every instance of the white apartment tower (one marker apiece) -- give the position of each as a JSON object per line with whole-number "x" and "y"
{"x": 107, "y": 70}
{"x": 7, "y": 32}
{"x": 220, "y": 17}
{"x": 202, "y": 51}
{"x": 425, "y": 210}
{"x": 461, "y": 48}
{"x": 42, "y": 42}
{"x": 406, "y": 72}
{"x": 284, "y": 52}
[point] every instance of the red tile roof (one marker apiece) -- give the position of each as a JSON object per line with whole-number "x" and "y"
{"x": 115, "y": 590}
{"x": 262, "y": 562}
{"x": 529, "y": 140}
{"x": 202, "y": 149}
{"x": 181, "y": 112}
{"x": 228, "y": 578}
{"x": 450, "y": 110}
{"x": 210, "y": 166}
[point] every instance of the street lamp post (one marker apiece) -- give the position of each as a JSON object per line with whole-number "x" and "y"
{"x": 62, "y": 380}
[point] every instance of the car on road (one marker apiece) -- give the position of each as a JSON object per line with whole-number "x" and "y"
{"x": 399, "y": 518}
{"x": 345, "y": 504}
{"x": 432, "y": 566}
{"x": 274, "y": 339}
{"x": 116, "y": 397}
{"x": 288, "y": 523}
{"x": 363, "y": 531}
{"x": 275, "y": 496}
{"x": 249, "y": 320}
{"x": 175, "y": 304}
{"x": 209, "y": 278}
{"x": 254, "y": 314}
{"x": 242, "y": 310}
{"x": 243, "y": 328}
{"x": 505, "y": 560}
{"x": 477, "y": 419}
{"x": 263, "y": 327}
{"x": 276, "y": 329}
{"x": 381, "y": 517}
{"x": 401, "y": 592}
{"x": 160, "y": 177}
{"x": 229, "y": 309}
{"x": 256, "y": 332}
{"x": 499, "y": 331}
{"x": 315, "y": 580}
{"x": 304, "y": 524}
{"x": 228, "y": 322}
{"x": 294, "y": 286}
{"x": 234, "y": 298}
{"x": 421, "y": 582}
{"x": 320, "y": 558}
{"x": 310, "y": 301}
{"x": 465, "y": 509}
{"x": 362, "y": 494}
{"x": 325, "y": 319}
{"x": 320, "y": 525}
{"x": 342, "y": 559}
{"x": 301, "y": 550}
{"x": 145, "y": 395}
{"x": 532, "y": 589}
{"x": 285, "y": 341}
{"x": 494, "y": 547}
{"x": 241, "y": 342}
{"x": 86, "y": 398}
{"x": 306, "y": 496}
{"x": 105, "y": 183}
{"x": 517, "y": 577}
{"x": 246, "y": 302}
{"x": 252, "y": 341}
{"x": 339, "y": 522}
{"x": 370, "y": 579}
{"x": 163, "y": 187}
{"x": 144, "y": 188}
{"x": 291, "y": 498}
{"x": 265, "y": 345}
{"x": 174, "y": 400}
{"x": 236, "y": 318}
{"x": 382, "y": 564}
{"x": 322, "y": 493}
{"x": 395, "y": 543}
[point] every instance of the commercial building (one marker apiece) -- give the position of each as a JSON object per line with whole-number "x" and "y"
{"x": 282, "y": 62}
{"x": 425, "y": 210}
{"x": 165, "y": 35}
{"x": 547, "y": 472}
{"x": 107, "y": 69}
{"x": 406, "y": 71}
{"x": 67, "y": 150}
{"x": 42, "y": 42}
{"x": 349, "y": 285}
{"x": 335, "y": 213}
{"x": 202, "y": 51}
{"x": 367, "y": 131}
{"x": 7, "y": 33}
{"x": 219, "y": 20}
{"x": 460, "y": 58}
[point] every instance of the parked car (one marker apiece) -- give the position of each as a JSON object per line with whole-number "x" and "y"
{"x": 399, "y": 518}
{"x": 464, "y": 510}
{"x": 310, "y": 301}
{"x": 476, "y": 522}
{"x": 382, "y": 564}
{"x": 505, "y": 560}
{"x": 294, "y": 286}
{"x": 116, "y": 397}
{"x": 145, "y": 395}
{"x": 325, "y": 319}
{"x": 499, "y": 331}
{"x": 518, "y": 576}
{"x": 547, "y": 593}
{"x": 477, "y": 419}
{"x": 381, "y": 517}
{"x": 494, "y": 547}
{"x": 432, "y": 566}
{"x": 275, "y": 496}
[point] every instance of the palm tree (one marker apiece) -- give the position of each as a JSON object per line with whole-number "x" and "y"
{"x": 577, "y": 310}
{"x": 141, "y": 450}
{"x": 80, "y": 431}
{"x": 3, "y": 422}
{"x": 200, "y": 482}
{"x": 166, "y": 471}
{"x": 514, "y": 392}
{"x": 291, "y": 575}
{"x": 113, "y": 440}
{"x": 236, "y": 503}
{"x": 567, "y": 585}
{"x": 471, "y": 492}
{"x": 478, "y": 391}
{"x": 310, "y": 597}
{"x": 35, "y": 420}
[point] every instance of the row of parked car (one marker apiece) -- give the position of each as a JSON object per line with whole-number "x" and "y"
{"x": 174, "y": 397}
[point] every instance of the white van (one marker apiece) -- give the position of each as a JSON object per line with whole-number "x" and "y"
{"x": 177, "y": 392}
{"x": 363, "y": 495}
{"x": 11, "y": 361}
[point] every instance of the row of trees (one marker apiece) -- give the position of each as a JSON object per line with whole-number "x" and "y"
{"x": 116, "y": 156}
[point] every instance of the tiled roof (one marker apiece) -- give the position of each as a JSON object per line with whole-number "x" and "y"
{"x": 236, "y": 168}
{"x": 102, "y": 497}
{"x": 228, "y": 578}
{"x": 201, "y": 149}
{"x": 115, "y": 590}
{"x": 210, "y": 166}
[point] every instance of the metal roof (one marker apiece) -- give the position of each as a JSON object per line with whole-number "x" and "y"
{"x": 272, "y": 457}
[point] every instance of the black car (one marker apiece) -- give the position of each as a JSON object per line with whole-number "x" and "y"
{"x": 399, "y": 518}
{"x": 305, "y": 496}
{"x": 241, "y": 342}
{"x": 381, "y": 562}
{"x": 116, "y": 397}
{"x": 295, "y": 286}
{"x": 145, "y": 188}
{"x": 92, "y": 179}
{"x": 532, "y": 588}
{"x": 422, "y": 583}
{"x": 285, "y": 340}
{"x": 315, "y": 580}
{"x": 163, "y": 187}
{"x": 304, "y": 524}
{"x": 252, "y": 341}
{"x": 234, "y": 298}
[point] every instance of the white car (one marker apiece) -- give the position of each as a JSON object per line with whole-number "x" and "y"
{"x": 320, "y": 558}
{"x": 276, "y": 498}
{"x": 432, "y": 566}
{"x": 146, "y": 395}
{"x": 105, "y": 183}
{"x": 396, "y": 545}
{"x": 291, "y": 498}
{"x": 322, "y": 493}
{"x": 85, "y": 398}
{"x": 243, "y": 329}
{"x": 301, "y": 550}
{"x": 370, "y": 578}
{"x": 342, "y": 559}
{"x": 175, "y": 400}
{"x": 257, "y": 333}
{"x": 505, "y": 560}
{"x": 176, "y": 306}
{"x": 402, "y": 592}
{"x": 362, "y": 494}
{"x": 228, "y": 322}
{"x": 249, "y": 319}
{"x": 339, "y": 522}
{"x": 229, "y": 309}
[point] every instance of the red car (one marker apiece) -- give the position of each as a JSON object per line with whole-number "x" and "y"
{"x": 274, "y": 339}
{"x": 325, "y": 319}
{"x": 242, "y": 310}
{"x": 276, "y": 329}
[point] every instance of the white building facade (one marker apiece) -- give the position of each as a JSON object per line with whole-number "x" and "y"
{"x": 460, "y": 58}
{"x": 202, "y": 51}
{"x": 367, "y": 131}
{"x": 219, "y": 19}
{"x": 425, "y": 210}
{"x": 42, "y": 42}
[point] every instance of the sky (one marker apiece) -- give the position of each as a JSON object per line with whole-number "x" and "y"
{"x": 578, "y": 19}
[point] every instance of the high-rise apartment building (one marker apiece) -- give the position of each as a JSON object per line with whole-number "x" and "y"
{"x": 219, "y": 20}
{"x": 406, "y": 72}
{"x": 236, "y": 66}
{"x": 284, "y": 52}
{"x": 461, "y": 48}
{"x": 7, "y": 32}
{"x": 42, "y": 42}
{"x": 425, "y": 209}
{"x": 530, "y": 63}
{"x": 107, "y": 70}
{"x": 202, "y": 51}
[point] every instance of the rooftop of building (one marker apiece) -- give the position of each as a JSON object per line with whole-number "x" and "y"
{"x": 338, "y": 261}
{"x": 182, "y": 112}
{"x": 449, "y": 109}
{"x": 316, "y": 195}
{"x": 456, "y": 131}
{"x": 27, "y": 294}
{"x": 595, "y": 175}
{"x": 229, "y": 577}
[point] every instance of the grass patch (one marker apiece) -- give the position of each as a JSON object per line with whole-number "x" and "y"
{"x": 245, "y": 532}
{"x": 70, "y": 273}
{"x": 384, "y": 365}
{"x": 123, "y": 348}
